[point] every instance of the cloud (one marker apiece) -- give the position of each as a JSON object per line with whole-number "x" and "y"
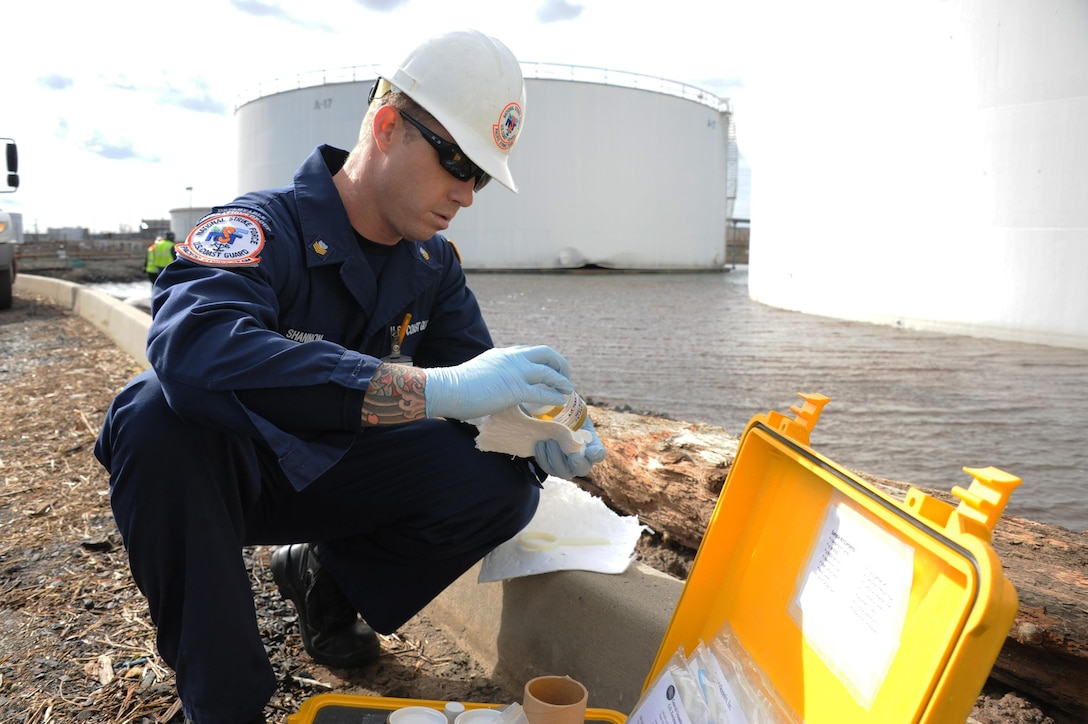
{"x": 551, "y": 11}
{"x": 261, "y": 9}
{"x": 382, "y": 6}
{"x": 724, "y": 87}
{"x": 116, "y": 151}
{"x": 121, "y": 82}
{"x": 54, "y": 81}
{"x": 194, "y": 96}
{"x": 197, "y": 98}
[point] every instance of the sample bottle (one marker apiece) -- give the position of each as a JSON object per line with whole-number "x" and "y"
{"x": 573, "y": 414}
{"x": 453, "y": 710}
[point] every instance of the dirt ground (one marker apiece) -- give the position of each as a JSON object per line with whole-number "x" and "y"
{"x": 76, "y": 643}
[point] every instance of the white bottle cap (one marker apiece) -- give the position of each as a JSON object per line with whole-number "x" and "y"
{"x": 453, "y": 710}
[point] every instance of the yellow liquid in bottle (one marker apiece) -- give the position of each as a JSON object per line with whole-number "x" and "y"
{"x": 573, "y": 414}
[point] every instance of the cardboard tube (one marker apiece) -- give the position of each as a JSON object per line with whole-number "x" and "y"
{"x": 555, "y": 700}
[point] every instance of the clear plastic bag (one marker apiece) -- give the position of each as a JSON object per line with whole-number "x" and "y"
{"x": 746, "y": 694}
{"x": 722, "y": 703}
{"x": 674, "y": 697}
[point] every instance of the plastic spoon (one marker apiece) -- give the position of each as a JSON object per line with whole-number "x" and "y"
{"x": 535, "y": 540}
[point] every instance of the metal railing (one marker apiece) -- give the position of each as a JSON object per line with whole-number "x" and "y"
{"x": 624, "y": 79}
{"x": 537, "y": 71}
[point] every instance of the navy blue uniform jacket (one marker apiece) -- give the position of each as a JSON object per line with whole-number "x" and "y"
{"x": 284, "y": 350}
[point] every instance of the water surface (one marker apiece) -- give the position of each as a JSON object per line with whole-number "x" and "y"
{"x": 907, "y": 405}
{"x": 911, "y": 406}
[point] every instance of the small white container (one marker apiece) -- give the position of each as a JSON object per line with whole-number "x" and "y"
{"x": 479, "y": 716}
{"x": 417, "y": 715}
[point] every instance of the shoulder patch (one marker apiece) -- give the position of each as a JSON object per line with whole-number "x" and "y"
{"x": 456, "y": 251}
{"x": 260, "y": 217}
{"x": 225, "y": 239}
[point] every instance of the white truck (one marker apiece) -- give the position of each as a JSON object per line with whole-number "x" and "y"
{"x": 7, "y": 259}
{"x": 7, "y": 228}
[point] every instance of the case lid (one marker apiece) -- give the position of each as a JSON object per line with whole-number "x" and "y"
{"x": 854, "y": 605}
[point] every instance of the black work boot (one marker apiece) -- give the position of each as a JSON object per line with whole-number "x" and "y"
{"x": 332, "y": 632}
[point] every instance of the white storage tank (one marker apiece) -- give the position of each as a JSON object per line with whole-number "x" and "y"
{"x": 947, "y": 187}
{"x": 184, "y": 219}
{"x": 614, "y": 169}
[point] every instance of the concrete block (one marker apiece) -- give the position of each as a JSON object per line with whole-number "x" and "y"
{"x": 603, "y": 630}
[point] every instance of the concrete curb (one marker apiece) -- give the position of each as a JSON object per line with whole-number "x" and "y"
{"x": 123, "y": 323}
{"x": 603, "y": 630}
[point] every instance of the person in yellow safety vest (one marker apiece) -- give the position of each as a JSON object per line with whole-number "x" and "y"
{"x": 159, "y": 255}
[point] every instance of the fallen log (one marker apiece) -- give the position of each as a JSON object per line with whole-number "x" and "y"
{"x": 670, "y": 473}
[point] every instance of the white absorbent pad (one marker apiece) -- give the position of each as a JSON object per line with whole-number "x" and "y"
{"x": 571, "y": 531}
{"x": 513, "y": 432}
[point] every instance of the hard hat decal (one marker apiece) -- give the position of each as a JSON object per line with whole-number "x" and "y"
{"x": 509, "y": 126}
{"x": 230, "y": 239}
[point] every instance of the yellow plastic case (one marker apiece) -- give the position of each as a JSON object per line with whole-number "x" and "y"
{"x": 802, "y": 599}
{"x": 351, "y": 709}
{"x": 785, "y": 518}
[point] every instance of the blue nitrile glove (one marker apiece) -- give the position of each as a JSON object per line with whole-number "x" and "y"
{"x": 550, "y": 456}
{"x": 498, "y": 379}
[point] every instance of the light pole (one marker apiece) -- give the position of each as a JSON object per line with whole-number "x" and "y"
{"x": 190, "y": 190}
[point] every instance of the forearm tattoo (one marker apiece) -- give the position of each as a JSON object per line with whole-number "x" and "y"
{"x": 395, "y": 395}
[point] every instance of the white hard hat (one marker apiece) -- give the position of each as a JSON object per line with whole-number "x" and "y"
{"x": 472, "y": 85}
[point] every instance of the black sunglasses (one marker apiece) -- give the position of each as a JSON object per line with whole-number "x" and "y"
{"x": 450, "y": 155}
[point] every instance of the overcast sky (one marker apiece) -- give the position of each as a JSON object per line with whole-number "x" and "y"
{"x": 119, "y": 106}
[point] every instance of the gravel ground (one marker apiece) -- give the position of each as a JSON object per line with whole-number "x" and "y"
{"x": 75, "y": 641}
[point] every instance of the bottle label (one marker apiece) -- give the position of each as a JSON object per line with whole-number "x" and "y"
{"x": 572, "y": 415}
